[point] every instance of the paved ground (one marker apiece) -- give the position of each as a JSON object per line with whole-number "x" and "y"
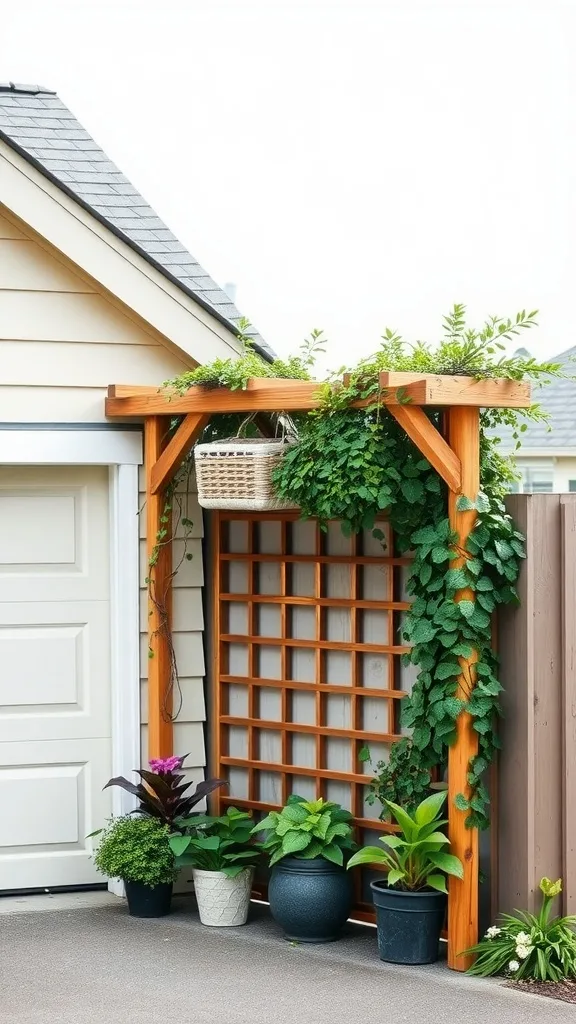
{"x": 81, "y": 959}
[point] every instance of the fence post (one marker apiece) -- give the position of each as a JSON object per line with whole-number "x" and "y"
{"x": 464, "y": 439}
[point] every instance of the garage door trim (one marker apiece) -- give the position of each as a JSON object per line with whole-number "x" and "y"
{"x": 121, "y": 451}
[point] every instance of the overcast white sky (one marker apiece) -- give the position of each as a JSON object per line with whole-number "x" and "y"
{"x": 349, "y": 164}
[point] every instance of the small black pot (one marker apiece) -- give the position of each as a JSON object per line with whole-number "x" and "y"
{"x": 148, "y": 901}
{"x": 310, "y": 899}
{"x": 409, "y": 923}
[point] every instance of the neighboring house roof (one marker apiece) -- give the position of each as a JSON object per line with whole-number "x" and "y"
{"x": 558, "y": 398}
{"x": 38, "y": 125}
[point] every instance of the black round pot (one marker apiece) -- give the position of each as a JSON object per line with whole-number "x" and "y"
{"x": 148, "y": 901}
{"x": 409, "y": 924}
{"x": 310, "y": 899}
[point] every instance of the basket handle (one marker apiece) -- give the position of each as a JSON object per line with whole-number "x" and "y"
{"x": 245, "y": 422}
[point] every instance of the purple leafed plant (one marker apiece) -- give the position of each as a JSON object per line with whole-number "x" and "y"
{"x": 162, "y": 791}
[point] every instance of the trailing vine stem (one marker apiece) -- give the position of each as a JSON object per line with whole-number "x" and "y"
{"x": 172, "y": 517}
{"x": 357, "y": 465}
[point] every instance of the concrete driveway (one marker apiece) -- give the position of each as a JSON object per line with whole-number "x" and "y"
{"x": 81, "y": 960}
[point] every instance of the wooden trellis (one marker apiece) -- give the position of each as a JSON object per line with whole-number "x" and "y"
{"x": 306, "y": 667}
{"x": 455, "y": 457}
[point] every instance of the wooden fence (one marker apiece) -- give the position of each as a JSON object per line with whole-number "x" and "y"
{"x": 537, "y": 766}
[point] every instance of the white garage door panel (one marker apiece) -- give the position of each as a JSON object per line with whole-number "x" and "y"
{"x": 53, "y": 532}
{"x": 49, "y": 655}
{"x": 51, "y": 798}
{"x": 55, "y": 702}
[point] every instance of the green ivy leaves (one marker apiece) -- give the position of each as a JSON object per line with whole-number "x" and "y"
{"x": 351, "y": 464}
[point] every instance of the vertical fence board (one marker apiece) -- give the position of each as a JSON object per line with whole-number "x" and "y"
{"x": 530, "y": 763}
{"x": 568, "y": 525}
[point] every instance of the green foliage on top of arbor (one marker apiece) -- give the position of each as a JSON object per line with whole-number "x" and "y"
{"x": 357, "y": 465}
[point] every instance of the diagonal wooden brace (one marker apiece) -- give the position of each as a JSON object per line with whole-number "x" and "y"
{"x": 169, "y": 462}
{"x": 430, "y": 442}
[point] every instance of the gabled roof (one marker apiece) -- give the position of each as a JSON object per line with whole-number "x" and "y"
{"x": 558, "y": 398}
{"x": 38, "y": 125}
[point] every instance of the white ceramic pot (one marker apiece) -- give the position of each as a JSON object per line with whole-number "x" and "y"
{"x": 222, "y": 901}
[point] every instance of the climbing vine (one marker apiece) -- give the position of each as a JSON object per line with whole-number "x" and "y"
{"x": 174, "y": 523}
{"x": 357, "y": 465}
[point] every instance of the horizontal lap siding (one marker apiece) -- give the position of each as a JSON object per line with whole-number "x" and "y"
{"x": 65, "y": 339}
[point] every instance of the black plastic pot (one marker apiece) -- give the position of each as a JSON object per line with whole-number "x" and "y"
{"x": 147, "y": 901}
{"x": 409, "y": 924}
{"x": 310, "y": 899}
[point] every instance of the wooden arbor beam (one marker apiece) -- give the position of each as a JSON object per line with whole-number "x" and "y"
{"x": 430, "y": 442}
{"x": 170, "y": 460}
{"x": 159, "y": 570}
{"x": 464, "y": 438}
{"x": 278, "y": 395}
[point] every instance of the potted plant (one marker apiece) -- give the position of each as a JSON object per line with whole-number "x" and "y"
{"x": 223, "y": 855}
{"x": 310, "y": 893}
{"x": 163, "y": 793}
{"x": 411, "y": 902}
{"x": 136, "y": 849}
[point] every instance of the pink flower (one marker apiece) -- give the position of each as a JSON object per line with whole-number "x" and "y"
{"x": 165, "y": 765}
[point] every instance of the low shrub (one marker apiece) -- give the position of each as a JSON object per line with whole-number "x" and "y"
{"x": 136, "y": 849}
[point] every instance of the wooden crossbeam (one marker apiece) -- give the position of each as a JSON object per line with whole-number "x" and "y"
{"x": 277, "y": 395}
{"x": 430, "y": 442}
{"x": 175, "y": 452}
{"x": 261, "y": 395}
{"x": 496, "y": 393}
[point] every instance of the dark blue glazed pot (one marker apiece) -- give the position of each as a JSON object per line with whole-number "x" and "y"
{"x": 310, "y": 899}
{"x": 409, "y": 923}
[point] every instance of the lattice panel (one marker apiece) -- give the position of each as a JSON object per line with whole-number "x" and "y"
{"x": 306, "y": 662}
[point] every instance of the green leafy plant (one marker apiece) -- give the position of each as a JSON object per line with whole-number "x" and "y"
{"x": 526, "y": 946}
{"x": 136, "y": 849}
{"x": 163, "y": 793}
{"x": 234, "y": 373}
{"x": 307, "y": 829}
{"x": 415, "y": 858}
{"x": 356, "y": 465}
{"x": 216, "y": 844}
{"x": 402, "y": 776}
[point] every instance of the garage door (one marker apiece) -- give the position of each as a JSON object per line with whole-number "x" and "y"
{"x": 55, "y": 746}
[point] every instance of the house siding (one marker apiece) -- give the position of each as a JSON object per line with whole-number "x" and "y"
{"x": 62, "y": 341}
{"x": 64, "y": 338}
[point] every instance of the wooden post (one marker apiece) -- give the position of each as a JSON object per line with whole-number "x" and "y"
{"x": 464, "y": 439}
{"x": 159, "y": 601}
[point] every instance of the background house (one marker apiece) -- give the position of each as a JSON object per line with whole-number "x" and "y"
{"x": 94, "y": 289}
{"x": 547, "y": 458}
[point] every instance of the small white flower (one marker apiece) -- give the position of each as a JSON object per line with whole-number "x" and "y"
{"x": 513, "y": 966}
{"x": 523, "y": 951}
{"x": 493, "y": 932}
{"x": 522, "y": 939}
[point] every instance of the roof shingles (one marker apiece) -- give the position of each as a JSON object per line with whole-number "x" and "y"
{"x": 36, "y": 122}
{"x": 558, "y": 399}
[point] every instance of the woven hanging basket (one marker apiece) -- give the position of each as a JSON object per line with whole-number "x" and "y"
{"x": 237, "y": 473}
